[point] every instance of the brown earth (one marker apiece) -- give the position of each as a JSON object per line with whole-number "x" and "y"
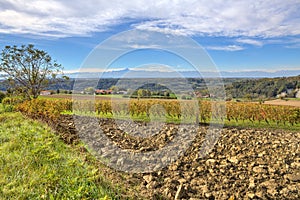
{"x": 283, "y": 102}
{"x": 81, "y": 97}
{"x": 243, "y": 164}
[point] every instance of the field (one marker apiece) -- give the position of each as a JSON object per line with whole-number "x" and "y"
{"x": 82, "y": 97}
{"x": 288, "y": 102}
{"x": 256, "y": 154}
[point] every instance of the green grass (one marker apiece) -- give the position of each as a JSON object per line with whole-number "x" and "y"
{"x": 118, "y": 96}
{"x": 36, "y": 164}
{"x": 1, "y": 108}
{"x": 262, "y": 125}
{"x": 293, "y": 99}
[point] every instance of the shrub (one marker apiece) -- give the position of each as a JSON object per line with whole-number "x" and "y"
{"x": 12, "y": 101}
{"x": 9, "y": 103}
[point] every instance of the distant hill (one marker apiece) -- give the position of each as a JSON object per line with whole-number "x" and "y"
{"x": 264, "y": 87}
{"x": 128, "y": 73}
{"x": 235, "y": 87}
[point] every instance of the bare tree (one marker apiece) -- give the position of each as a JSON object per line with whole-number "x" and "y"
{"x": 28, "y": 69}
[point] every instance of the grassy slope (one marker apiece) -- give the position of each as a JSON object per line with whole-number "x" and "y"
{"x": 35, "y": 164}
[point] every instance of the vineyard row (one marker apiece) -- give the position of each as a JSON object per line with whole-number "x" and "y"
{"x": 203, "y": 111}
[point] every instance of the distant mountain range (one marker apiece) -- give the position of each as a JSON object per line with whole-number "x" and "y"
{"x": 128, "y": 73}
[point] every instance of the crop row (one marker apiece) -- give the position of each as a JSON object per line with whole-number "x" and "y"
{"x": 202, "y": 111}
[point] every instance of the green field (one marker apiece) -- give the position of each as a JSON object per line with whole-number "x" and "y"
{"x": 36, "y": 164}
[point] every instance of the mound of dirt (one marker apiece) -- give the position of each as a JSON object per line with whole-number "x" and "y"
{"x": 242, "y": 164}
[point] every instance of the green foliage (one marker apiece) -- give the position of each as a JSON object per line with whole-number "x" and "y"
{"x": 12, "y": 100}
{"x": 9, "y": 103}
{"x": 36, "y": 164}
{"x": 146, "y": 93}
{"x": 27, "y": 69}
{"x": 263, "y": 88}
{"x": 89, "y": 90}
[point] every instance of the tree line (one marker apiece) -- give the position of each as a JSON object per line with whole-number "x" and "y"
{"x": 264, "y": 88}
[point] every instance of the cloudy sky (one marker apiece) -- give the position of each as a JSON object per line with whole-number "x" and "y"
{"x": 238, "y": 35}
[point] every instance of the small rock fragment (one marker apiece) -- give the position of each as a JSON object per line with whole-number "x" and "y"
{"x": 293, "y": 177}
{"x": 233, "y": 160}
{"x": 148, "y": 178}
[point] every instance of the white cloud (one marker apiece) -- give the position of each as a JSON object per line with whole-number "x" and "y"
{"x": 92, "y": 70}
{"x": 225, "y": 48}
{"x": 246, "y": 18}
{"x": 293, "y": 46}
{"x": 250, "y": 41}
{"x": 138, "y": 46}
{"x": 154, "y": 68}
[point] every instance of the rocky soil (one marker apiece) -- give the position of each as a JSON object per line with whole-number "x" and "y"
{"x": 242, "y": 164}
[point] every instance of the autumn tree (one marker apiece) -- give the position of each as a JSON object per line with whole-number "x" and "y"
{"x": 28, "y": 69}
{"x": 89, "y": 90}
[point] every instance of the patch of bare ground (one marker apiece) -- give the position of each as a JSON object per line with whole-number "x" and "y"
{"x": 243, "y": 164}
{"x": 283, "y": 102}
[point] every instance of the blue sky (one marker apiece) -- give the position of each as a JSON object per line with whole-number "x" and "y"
{"x": 238, "y": 35}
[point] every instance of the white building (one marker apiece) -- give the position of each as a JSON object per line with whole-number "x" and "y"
{"x": 45, "y": 92}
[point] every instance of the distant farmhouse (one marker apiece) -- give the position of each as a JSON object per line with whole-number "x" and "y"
{"x": 121, "y": 92}
{"x": 103, "y": 92}
{"x": 45, "y": 92}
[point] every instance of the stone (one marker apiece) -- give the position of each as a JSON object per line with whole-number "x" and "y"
{"x": 148, "y": 178}
{"x": 270, "y": 183}
{"x": 295, "y": 165}
{"x": 151, "y": 185}
{"x": 250, "y": 195}
{"x": 210, "y": 162}
{"x": 182, "y": 180}
{"x": 178, "y": 193}
{"x": 233, "y": 160}
{"x": 173, "y": 167}
{"x": 208, "y": 195}
{"x": 251, "y": 182}
{"x": 284, "y": 191}
{"x": 259, "y": 169}
{"x": 272, "y": 191}
{"x": 259, "y": 194}
{"x": 293, "y": 177}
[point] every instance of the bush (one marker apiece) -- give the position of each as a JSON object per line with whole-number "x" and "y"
{"x": 2, "y": 96}
{"x": 12, "y": 101}
{"x": 47, "y": 110}
{"x": 9, "y": 103}
{"x": 9, "y": 108}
